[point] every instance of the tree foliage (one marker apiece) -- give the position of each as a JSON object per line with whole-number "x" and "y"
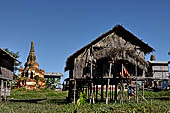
{"x": 52, "y": 83}
{"x": 169, "y": 53}
{"x": 16, "y": 56}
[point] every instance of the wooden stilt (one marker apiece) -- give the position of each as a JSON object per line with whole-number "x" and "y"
{"x": 107, "y": 92}
{"x": 136, "y": 83}
{"x": 75, "y": 92}
{"x": 96, "y": 91}
{"x": 123, "y": 89}
{"x": 110, "y": 88}
{"x": 91, "y": 74}
{"x": 108, "y": 82}
{"x": 121, "y": 92}
{"x": 2, "y": 87}
{"x": 121, "y": 95}
{"x": 93, "y": 94}
{"x": 89, "y": 91}
{"x": 102, "y": 92}
{"x": 5, "y": 92}
{"x": 90, "y": 94}
{"x": 115, "y": 93}
{"x": 86, "y": 91}
{"x": 83, "y": 87}
{"x": 143, "y": 88}
{"x": 112, "y": 92}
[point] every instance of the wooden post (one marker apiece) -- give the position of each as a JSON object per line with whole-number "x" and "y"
{"x": 1, "y": 90}
{"x": 93, "y": 93}
{"x": 115, "y": 93}
{"x": 112, "y": 92}
{"x": 122, "y": 90}
{"x": 102, "y": 92}
{"x": 107, "y": 92}
{"x": 5, "y": 91}
{"x": 83, "y": 87}
{"x": 96, "y": 91}
{"x": 108, "y": 82}
{"x": 143, "y": 88}
{"x": 90, "y": 93}
{"x": 110, "y": 88}
{"x": 91, "y": 73}
{"x": 75, "y": 92}
{"x": 136, "y": 82}
{"x": 86, "y": 91}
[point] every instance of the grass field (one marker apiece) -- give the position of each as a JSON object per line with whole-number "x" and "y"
{"x": 56, "y": 103}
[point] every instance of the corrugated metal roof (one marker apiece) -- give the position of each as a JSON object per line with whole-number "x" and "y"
{"x": 159, "y": 62}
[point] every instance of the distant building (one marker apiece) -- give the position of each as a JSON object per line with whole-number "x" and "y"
{"x": 158, "y": 73}
{"x": 31, "y": 75}
{"x": 52, "y": 75}
{"x": 6, "y": 73}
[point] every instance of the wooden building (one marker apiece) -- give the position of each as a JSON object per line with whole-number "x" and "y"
{"x": 6, "y": 73}
{"x": 111, "y": 59}
{"x": 158, "y": 74}
{"x": 53, "y": 76}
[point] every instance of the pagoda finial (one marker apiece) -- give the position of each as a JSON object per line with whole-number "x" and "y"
{"x": 32, "y": 47}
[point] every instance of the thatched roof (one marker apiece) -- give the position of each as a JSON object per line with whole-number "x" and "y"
{"x": 120, "y": 31}
{"x": 6, "y": 54}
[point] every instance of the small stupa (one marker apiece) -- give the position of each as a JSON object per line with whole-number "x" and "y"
{"x": 152, "y": 58}
{"x": 31, "y": 76}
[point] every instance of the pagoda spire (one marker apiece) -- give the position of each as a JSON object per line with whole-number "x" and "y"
{"x": 32, "y": 56}
{"x": 32, "y": 47}
{"x": 31, "y": 60}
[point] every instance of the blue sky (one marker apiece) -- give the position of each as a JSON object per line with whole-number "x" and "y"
{"x": 60, "y": 27}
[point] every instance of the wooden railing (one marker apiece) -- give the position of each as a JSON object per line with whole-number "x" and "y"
{"x": 6, "y": 74}
{"x": 5, "y": 91}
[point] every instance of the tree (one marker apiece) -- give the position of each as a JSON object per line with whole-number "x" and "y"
{"x": 169, "y": 53}
{"x": 15, "y": 55}
{"x": 52, "y": 83}
{"x": 36, "y": 78}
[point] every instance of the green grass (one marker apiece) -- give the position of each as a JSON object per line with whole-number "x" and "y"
{"x": 56, "y": 103}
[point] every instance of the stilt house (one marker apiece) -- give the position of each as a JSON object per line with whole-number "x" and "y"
{"x": 158, "y": 74}
{"x": 113, "y": 58}
{"x": 6, "y": 73}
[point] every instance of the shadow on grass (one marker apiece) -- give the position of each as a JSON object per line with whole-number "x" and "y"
{"x": 41, "y": 101}
{"x": 57, "y": 101}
